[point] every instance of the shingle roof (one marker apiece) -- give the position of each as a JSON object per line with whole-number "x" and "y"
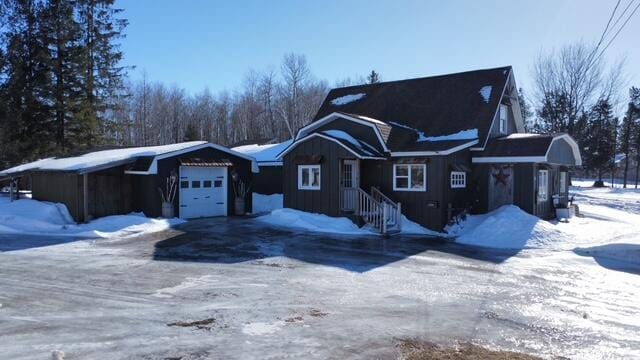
{"x": 518, "y": 145}
{"x": 436, "y": 106}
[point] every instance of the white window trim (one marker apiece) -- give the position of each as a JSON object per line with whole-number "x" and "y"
{"x": 424, "y": 177}
{"x": 309, "y": 167}
{"x": 563, "y": 182}
{"x": 504, "y": 122}
{"x": 458, "y": 183}
{"x": 543, "y": 195}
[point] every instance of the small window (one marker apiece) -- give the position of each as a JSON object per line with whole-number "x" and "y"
{"x": 217, "y": 183}
{"x": 543, "y": 185}
{"x": 503, "y": 118}
{"x": 409, "y": 177}
{"x": 458, "y": 179}
{"x": 195, "y": 184}
{"x": 563, "y": 182}
{"x": 308, "y": 177}
{"x": 184, "y": 184}
{"x": 206, "y": 184}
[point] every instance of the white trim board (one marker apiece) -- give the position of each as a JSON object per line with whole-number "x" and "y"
{"x": 336, "y": 115}
{"x": 313, "y": 135}
{"x": 153, "y": 168}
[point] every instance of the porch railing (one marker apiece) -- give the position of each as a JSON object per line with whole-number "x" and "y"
{"x": 381, "y": 213}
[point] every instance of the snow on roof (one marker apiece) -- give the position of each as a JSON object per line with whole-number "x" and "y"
{"x": 485, "y": 91}
{"x": 360, "y": 145}
{"x": 520, "y": 136}
{"x": 343, "y": 100}
{"x": 98, "y": 158}
{"x": 263, "y": 153}
{"x": 470, "y": 134}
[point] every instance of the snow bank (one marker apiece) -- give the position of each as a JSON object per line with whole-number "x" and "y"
{"x": 337, "y": 225}
{"x": 263, "y": 153}
{"x": 266, "y": 203}
{"x": 33, "y": 217}
{"x": 508, "y": 227}
{"x": 485, "y": 92}
{"x": 343, "y": 100}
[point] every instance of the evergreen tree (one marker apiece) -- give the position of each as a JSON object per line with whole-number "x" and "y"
{"x": 373, "y": 77}
{"x": 630, "y": 127}
{"x": 103, "y": 75}
{"x": 191, "y": 133}
{"x": 552, "y": 116}
{"x": 525, "y": 111}
{"x": 26, "y": 122}
{"x": 599, "y": 143}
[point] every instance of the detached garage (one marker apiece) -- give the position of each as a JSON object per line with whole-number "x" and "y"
{"x": 122, "y": 180}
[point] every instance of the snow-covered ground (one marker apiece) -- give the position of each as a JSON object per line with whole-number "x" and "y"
{"x": 266, "y": 203}
{"x": 31, "y": 217}
{"x": 237, "y": 288}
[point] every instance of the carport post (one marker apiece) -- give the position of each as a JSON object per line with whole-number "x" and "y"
{"x": 85, "y": 197}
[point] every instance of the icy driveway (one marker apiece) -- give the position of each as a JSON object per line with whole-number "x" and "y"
{"x": 230, "y": 288}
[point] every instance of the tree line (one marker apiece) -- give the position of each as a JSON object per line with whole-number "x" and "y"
{"x": 63, "y": 90}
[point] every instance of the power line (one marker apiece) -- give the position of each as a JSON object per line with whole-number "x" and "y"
{"x": 590, "y": 58}
{"x": 622, "y": 14}
{"x": 618, "y": 32}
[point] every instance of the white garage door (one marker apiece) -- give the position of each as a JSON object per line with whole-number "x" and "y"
{"x": 203, "y": 191}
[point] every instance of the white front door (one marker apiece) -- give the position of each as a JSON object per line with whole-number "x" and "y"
{"x": 349, "y": 183}
{"x": 203, "y": 191}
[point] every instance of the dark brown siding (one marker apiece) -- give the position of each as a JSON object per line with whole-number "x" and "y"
{"x": 110, "y": 192}
{"x": 326, "y": 200}
{"x": 415, "y": 205}
{"x": 60, "y": 188}
{"x": 479, "y": 186}
{"x": 459, "y": 198}
{"x": 268, "y": 181}
{"x": 523, "y": 187}
{"x": 359, "y": 131}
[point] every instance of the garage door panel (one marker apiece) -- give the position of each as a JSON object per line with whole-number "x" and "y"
{"x": 203, "y": 192}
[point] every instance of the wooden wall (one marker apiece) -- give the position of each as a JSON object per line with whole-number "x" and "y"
{"x": 60, "y": 188}
{"x": 110, "y": 192}
{"x": 268, "y": 181}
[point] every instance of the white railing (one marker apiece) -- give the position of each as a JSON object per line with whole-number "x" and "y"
{"x": 379, "y": 211}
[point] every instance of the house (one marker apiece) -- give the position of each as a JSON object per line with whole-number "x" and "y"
{"x": 269, "y": 180}
{"x": 427, "y": 148}
{"x": 122, "y": 180}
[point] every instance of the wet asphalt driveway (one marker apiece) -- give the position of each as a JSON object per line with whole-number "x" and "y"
{"x": 233, "y": 288}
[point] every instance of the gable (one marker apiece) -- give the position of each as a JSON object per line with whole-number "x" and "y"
{"x": 357, "y": 130}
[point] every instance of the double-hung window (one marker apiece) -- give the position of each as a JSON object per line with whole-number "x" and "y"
{"x": 563, "y": 182}
{"x": 543, "y": 185}
{"x": 458, "y": 179}
{"x": 410, "y": 177}
{"x": 503, "y": 118}
{"x": 308, "y": 177}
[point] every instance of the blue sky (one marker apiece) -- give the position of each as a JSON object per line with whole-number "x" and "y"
{"x": 198, "y": 43}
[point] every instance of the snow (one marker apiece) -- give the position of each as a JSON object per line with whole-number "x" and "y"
{"x": 608, "y": 228}
{"x": 31, "y": 217}
{"x": 470, "y": 134}
{"x": 264, "y": 153}
{"x": 261, "y": 328}
{"x": 519, "y": 136}
{"x": 343, "y": 100}
{"x": 266, "y": 203}
{"x": 290, "y": 218}
{"x": 485, "y": 92}
{"x": 98, "y": 158}
{"x": 339, "y": 134}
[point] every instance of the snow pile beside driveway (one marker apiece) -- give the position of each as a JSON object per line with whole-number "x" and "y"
{"x": 31, "y": 217}
{"x": 508, "y": 228}
{"x": 266, "y": 203}
{"x": 337, "y": 225}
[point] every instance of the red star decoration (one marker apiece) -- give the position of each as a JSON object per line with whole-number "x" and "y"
{"x": 501, "y": 177}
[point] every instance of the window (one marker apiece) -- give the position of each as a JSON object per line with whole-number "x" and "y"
{"x": 206, "y": 184}
{"x": 308, "y": 177}
{"x": 410, "y": 177}
{"x": 563, "y": 182}
{"x": 543, "y": 184}
{"x": 503, "y": 119}
{"x": 217, "y": 183}
{"x": 195, "y": 184}
{"x": 458, "y": 179}
{"x": 184, "y": 184}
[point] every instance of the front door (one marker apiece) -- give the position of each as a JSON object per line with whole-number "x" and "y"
{"x": 349, "y": 183}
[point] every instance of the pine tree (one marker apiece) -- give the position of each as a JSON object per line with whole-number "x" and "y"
{"x": 599, "y": 144}
{"x": 552, "y": 116}
{"x": 629, "y": 129}
{"x": 525, "y": 111}
{"x": 26, "y": 122}
{"x": 373, "y": 77}
{"x": 102, "y": 73}
{"x": 191, "y": 133}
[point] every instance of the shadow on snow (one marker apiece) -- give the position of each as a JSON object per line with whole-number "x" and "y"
{"x": 619, "y": 257}
{"x": 16, "y": 242}
{"x": 236, "y": 240}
